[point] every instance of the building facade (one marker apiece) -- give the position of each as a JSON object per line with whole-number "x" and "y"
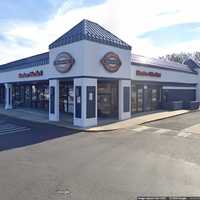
{"x": 90, "y": 73}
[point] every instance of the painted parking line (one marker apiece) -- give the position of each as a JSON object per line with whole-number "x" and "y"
{"x": 12, "y": 128}
{"x": 14, "y": 131}
{"x": 7, "y": 125}
{"x": 162, "y": 131}
{"x": 184, "y": 134}
{"x": 155, "y": 130}
{"x": 141, "y": 128}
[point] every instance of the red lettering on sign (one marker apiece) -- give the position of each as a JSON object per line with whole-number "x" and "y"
{"x": 151, "y": 74}
{"x": 31, "y": 74}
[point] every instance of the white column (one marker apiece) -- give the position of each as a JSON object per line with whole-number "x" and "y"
{"x": 124, "y": 99}
{"x": 8, "y": 96}
{"x": 54, "y": 100}
{"x": 85, "y": 102}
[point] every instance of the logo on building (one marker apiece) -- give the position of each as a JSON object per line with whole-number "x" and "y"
{"x": 111, "y": 62}
{"x": 151, "y": 74}
{"x": 31, "y": 74}
{"x": 64, "y": 62}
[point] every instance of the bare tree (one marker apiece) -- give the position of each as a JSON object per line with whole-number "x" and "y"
{"x": 181, "y": 57}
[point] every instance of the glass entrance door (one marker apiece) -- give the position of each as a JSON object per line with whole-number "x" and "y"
{"x": 137, "y": 98}
{"x": 152, "y": 96}
{"x": 66, "y": 97}
{"x": 107, "y": 101}
{"x": 155, "y": 98}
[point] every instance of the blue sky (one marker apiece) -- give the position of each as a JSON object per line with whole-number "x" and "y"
{"x": 26, "y": 10}
{"x": 174, "y": 34}
{"x": 27, "y": 27}
{"x": 35, "y": 10}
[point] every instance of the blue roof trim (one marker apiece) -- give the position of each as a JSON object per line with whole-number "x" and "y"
{"x": 160, "y": 63}
{"x": 37, "y": 60}
{"x": 87, "y": 30}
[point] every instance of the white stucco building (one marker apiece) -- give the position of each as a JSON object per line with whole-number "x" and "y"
{"x": 90, "y": 74}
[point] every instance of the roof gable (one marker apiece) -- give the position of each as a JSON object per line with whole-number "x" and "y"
{"x": 87, "y": 30}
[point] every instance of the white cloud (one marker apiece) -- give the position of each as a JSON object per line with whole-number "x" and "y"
{"x": 125, "y": 18}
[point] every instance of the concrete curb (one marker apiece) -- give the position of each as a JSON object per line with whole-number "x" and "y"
{"x": 191, "y": 111}
{"x": 89, "y": 130}
{"x": 46, "y": 122}
{"x": 107, "y": 130}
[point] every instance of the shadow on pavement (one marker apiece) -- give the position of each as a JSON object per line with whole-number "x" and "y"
{"x": 39, "y": 133}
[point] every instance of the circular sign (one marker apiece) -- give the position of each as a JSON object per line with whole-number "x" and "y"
{"x": 63, "y": 62}
{"x": 111, "y": 62}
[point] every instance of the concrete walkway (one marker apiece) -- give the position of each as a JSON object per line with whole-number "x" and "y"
{"x": 104, "y": 125}
{"x": 140, "y": 119}
{"x": 40, "y": 116}
{"x": 26, "y": 114}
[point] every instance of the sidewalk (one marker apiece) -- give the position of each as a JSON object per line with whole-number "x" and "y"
{"x": 106, "y": 125}
{"x": 140, "y": 119}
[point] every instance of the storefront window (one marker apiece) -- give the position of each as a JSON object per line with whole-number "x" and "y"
{"x": 154, "y": 100}
{"x": 34, "y": 95}
{"x": 28, "y": 96}
{"x": 139, "y": 99}
{"x": 31, "y": 95}
{"x": 2, "y": 94}
{"x": 134, "y": 99}
{"x": 145, "y": 97}
{"x": 16, "y": 96}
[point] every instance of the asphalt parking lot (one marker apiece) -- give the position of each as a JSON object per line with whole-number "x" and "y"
{"x": 46, "y": 162}
{"x": 16, "y": 133}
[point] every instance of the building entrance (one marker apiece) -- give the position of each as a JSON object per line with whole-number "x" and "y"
{"x": 66, "y": 97}
{"x": 107, "y": 100}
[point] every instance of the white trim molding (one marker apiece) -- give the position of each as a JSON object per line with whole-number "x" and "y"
{"x": 178, "y": 88}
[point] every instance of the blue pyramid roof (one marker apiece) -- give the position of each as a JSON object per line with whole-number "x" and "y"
{"x": 87, "y": 30}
